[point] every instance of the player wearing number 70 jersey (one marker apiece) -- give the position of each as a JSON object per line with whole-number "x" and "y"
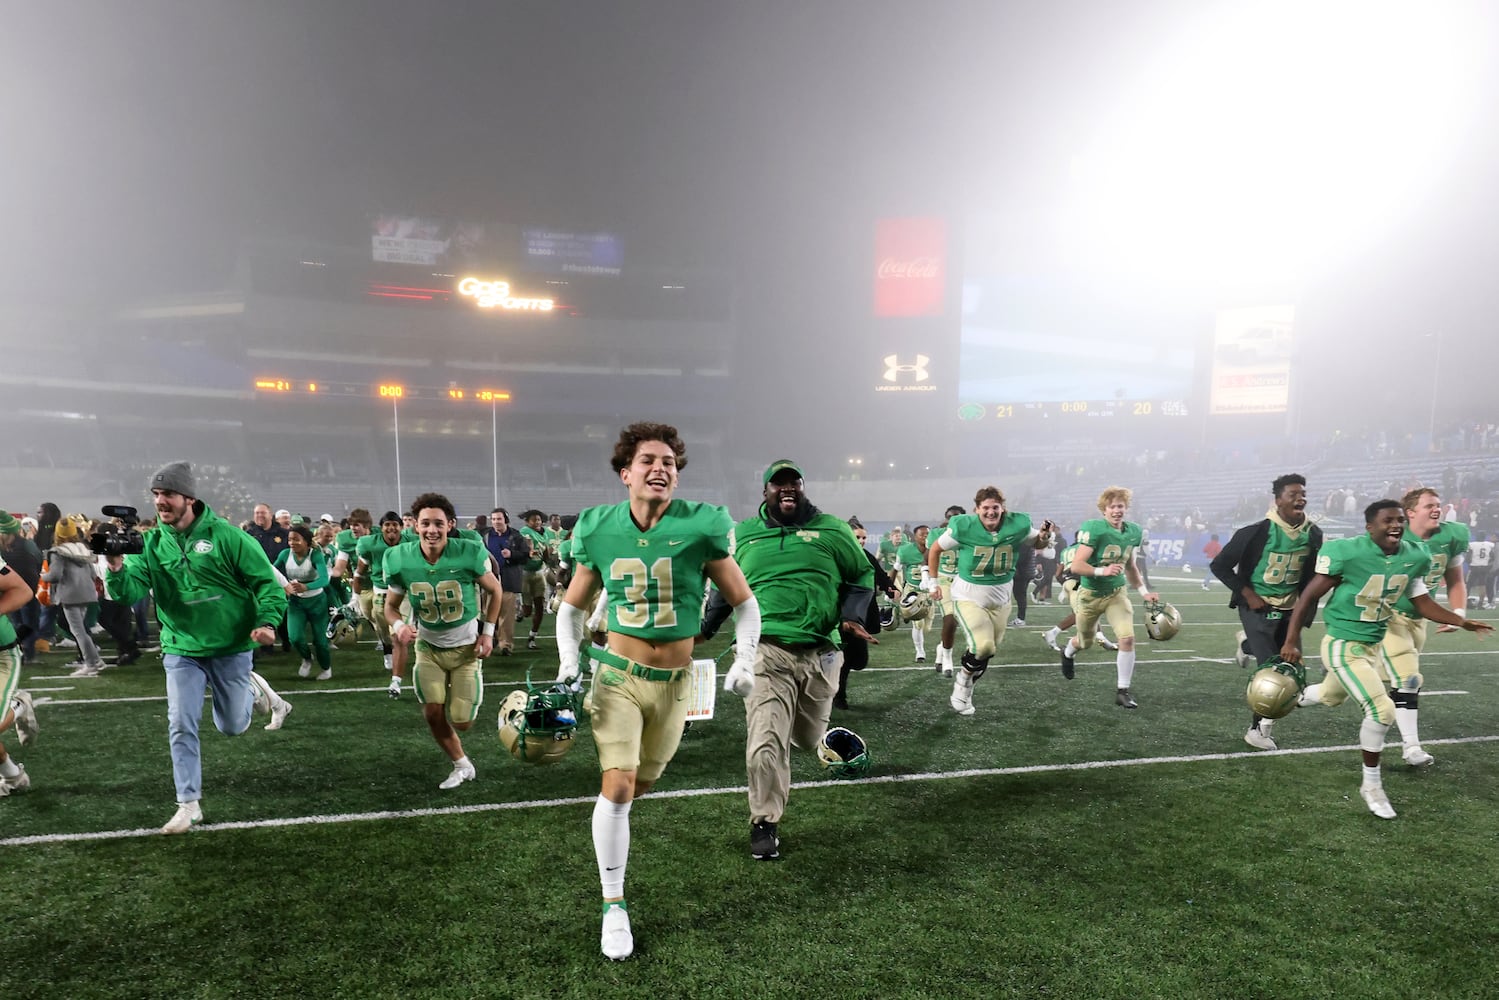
{"x": 651, "y": 555}
{"x": 988, "y": 543}
{"x": 441, "y": 575}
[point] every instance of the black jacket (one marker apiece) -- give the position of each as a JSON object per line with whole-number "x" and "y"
{"x": 1241, "y": 555}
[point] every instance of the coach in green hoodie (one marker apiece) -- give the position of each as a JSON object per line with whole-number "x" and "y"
{"x": 217, "y": 598}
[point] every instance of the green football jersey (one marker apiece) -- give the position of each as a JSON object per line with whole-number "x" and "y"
{"x": 538, "y": 545}
{"x": 987, "y": 558}
{"x": 1370, "y": 582}
{"x": 911, "y": 561}
{"x": 1449, "y": 541}
{"x": 372, "y": 549}
{"x": 797, "y": 573}
{"x": 443, "y": 595}
{"x": 346, "y": 543}
{"x": 7, "y": 630}
{"x": 947, "y": 562}
{"x": 654, "y": 578}
{"x": 885, "y": 553}
{"x": 1277, "y": 578}
{"x": 555, "y": 537}
{"x": 1110, "y": 546}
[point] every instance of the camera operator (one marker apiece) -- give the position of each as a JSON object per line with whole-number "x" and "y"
{"x": 217, "y": 598}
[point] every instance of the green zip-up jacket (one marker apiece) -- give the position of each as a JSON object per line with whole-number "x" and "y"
{"x": 806, "y": 577}
{"x": 213, "y": 586}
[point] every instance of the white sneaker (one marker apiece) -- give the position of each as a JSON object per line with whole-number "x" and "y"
{"x": 1017, "y": 623}
{"x": 279, "y": 712}
{"x": 85, "y": 671}
{"x": 1416, "y": 757}
{"x": 305, "y": 670}
{"x": 326, "y": 675}
{"x": 962, "y": 694}
{"x": 461, "y": 773}
{"x": 62, "y": 643}
{"x": 1259, "y": 740}
{"x": 1242, "y": 658}
{"x": 394, "y": 688}
{"x": 616, "y": 941}
{"x": 26, "y": 725}
{"x": 1051, "y": 636}
{"x": 188, "y": 815}
{"x": 1378, "y": 802}
{"x": 19, "y": 783}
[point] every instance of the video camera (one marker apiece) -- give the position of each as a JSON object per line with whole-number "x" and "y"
{"x": 109, "y": 539}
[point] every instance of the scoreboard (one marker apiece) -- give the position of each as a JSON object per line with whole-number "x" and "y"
{"x": 1076, "y": 409}
{"x": 378, "y": 390}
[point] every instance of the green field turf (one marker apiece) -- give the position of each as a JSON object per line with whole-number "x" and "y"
{"x": 1050, "y": 845}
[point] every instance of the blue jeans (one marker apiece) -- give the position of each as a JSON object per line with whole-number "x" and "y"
{"x": 30, "y": 614}
{"x": 234, "y": 693}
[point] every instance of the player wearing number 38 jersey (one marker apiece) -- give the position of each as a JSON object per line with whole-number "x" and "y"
{"x": 441, "y": 575}
{"x": 651, "y": 555}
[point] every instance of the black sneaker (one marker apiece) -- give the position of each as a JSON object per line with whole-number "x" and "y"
{"x": 764, "y": 844}
{"x": 1068, "y": 667}
{"x": 1123, "y": 700}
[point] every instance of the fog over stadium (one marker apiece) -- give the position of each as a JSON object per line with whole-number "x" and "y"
{"x": 344, "y": 252}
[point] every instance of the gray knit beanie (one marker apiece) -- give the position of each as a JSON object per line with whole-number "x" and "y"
{"x": 176, "y": 477}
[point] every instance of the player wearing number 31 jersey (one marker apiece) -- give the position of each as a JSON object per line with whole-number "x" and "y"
{"x": 441, "y": 576}
{"x": 651, "y": 555}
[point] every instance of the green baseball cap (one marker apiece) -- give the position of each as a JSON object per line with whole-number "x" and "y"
{"x": 781, "y": 465}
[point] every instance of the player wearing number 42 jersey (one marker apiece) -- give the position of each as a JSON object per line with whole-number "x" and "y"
{"x": 651, "y": 555}
{"x": 441, "y": 575}
{"x": 1364, "y": 578}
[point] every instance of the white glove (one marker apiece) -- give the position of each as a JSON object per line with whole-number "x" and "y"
{"x": 740, "y": 679}
{"x": 567, "y": 673}
{"x": 354, "y": 609}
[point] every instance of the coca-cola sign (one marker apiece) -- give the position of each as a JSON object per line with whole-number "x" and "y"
{"x": 909, "y": 267}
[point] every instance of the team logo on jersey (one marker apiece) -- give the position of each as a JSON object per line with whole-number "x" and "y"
{"x": 918, "y": 372}
{"x": 202, "y": 546}
{"x": 809, "y": 535}
{"x": 642, "y": 543}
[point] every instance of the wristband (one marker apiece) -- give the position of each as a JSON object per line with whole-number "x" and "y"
{"x": 486, "y": 628}
{"x": 1460, "y": 612}
{"x": 1143, "y": 589}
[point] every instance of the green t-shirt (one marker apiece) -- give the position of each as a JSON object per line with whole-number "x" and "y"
{"x": 654, "y": 578}
{"x": 1370, "y": 582}
{"x": 797, "y": 572}
{"x": 1110, "y": 546}
{"x": 1449, "y": 541}
{"x": 534, "y": 562}
{"x": 911, "y": 560}
{"x": 1277, "y": 578}
{"x": 987, "y": 558}
{"x": 443, "y": 595}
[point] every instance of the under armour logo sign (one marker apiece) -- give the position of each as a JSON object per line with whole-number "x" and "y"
{"x": 918, "y": 371}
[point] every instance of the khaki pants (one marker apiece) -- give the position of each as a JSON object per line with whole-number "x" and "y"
{"x": 505, "y": 639}
{"x": 1114, "y": 608}
{"x": 789, "y": 706}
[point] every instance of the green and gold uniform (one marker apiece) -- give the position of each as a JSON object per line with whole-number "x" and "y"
{"x": 1105, "y": 596}
{"x": 981, "y": 591}
{"x": 10, "y": 654}
{"x": 1357, "y": 615}
{"x": 653, "y": 581}
{"x": 371, "y": 551}
{"x": 911, "y": 561}
{"x": 444, "y": 599}
{"x": 1406, "y": 637}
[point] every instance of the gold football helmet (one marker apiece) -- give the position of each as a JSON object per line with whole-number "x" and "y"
{"x": 1162, "y": 620}
{"x": 1273, "y": 690}
{"x": 537, "y": 726}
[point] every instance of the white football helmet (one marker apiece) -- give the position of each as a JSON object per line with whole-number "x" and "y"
{"x": 915, "y": 606}
{"x": 1186, "y": 567}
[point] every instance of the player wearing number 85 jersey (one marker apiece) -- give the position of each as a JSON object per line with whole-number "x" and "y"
{"x": 441, "y": 575}
{"x": 651, "y": 555}
{"x": 1365, "y": 576}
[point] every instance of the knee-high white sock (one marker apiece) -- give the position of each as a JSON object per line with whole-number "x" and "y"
{"x": 1371, "y": 735}
{"x": 611, "y": 844}
{"x": 1371, "y": 777}
{"x": 265, "y": 696}
{"x": 918, "y": 639}
{"x": 1405, "y": 719}
{"x": 1070, "y": 649}
{"x": 1124, "y": 667}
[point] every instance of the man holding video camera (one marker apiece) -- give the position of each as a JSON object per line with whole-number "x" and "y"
{"x": 217, "y": 598}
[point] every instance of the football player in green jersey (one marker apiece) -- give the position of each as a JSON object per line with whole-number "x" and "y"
{"x": 987, "y": 542}
{"x": 910, "y": 560}
{"x": 1265, "y": 566}
{"x": 947, "y": 569}
{"x": 15, "y": 705}
{"x": 1447, "y": 542}
{"x": 1105, "y": 558}
{"x": 1064, "y": 576}
{"x": 651, "y": 555}
{"x": 814, "y": 584}
{"x": 533, "y": 594}
{"x": 1363, "y": 577}
{"x": 369, "y": 579}
{"x": 345, "y": 562}
{"x": 442, "y": 575}
{"x": 890, "y": 543}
